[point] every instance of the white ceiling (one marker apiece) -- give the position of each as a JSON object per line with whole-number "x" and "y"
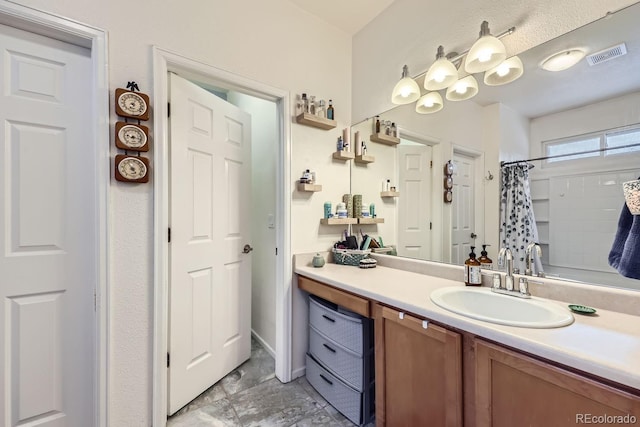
{"x": 348, "y": 15}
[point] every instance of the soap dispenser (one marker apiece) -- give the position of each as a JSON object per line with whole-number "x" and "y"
{"x": 485, "y": 261}
{"x": 472, "y": 276}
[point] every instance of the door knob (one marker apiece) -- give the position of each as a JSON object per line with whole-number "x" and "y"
{"x": 247, "y": 249}
{"x": 473, "y": 235}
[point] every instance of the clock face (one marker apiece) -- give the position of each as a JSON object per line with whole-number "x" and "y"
{"x": 132, "y": 168}
{"x": 132, "y": 136}
{"x": 132, "y": 103}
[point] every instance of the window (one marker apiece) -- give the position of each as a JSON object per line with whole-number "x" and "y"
{"x": 593, "y": 145}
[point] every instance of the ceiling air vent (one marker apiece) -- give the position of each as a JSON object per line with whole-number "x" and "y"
{"x": 607, "y": 54}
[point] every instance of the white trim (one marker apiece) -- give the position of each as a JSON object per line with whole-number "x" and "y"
{"x": 95, "y": 39}
{"x": 165, "y": 61}
{"x": 300, "y": 372}
{"x": 264, "y": 344}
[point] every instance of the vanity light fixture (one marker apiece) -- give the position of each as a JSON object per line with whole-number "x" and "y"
{"x": 487, "y": 52}
{"x": 406, "y": 90}
{"x": 465, "y": 88}
{"x": 429, "y": 103}
{"x": 563, "y": 60}
{"x": 441, "y": 74}
{"x": 508, "y": 71}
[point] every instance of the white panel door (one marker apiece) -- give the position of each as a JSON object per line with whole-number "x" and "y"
{"x": 414, "y": 231}
{"x": 48, "y": 233}
{"x": 210, "y": 275}
{"x": 462, "y": 208}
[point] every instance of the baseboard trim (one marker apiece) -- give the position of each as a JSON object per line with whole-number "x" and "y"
{"x": 264, "y": 344}
{"x": 300, "y": 372}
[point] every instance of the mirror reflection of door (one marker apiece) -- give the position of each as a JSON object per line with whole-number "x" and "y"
{"x": 414, "y": 204}
{"x": 462, "y": 208}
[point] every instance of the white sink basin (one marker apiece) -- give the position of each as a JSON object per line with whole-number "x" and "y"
{"x": 482, "y": 304}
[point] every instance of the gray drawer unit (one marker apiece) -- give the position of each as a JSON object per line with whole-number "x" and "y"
{"x": 345, "y": 328}
{"x": 356, "y": 406}
{"x": 343, "y": 362}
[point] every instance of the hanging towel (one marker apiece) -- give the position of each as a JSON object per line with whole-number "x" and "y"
{"x": 625, "y": 251}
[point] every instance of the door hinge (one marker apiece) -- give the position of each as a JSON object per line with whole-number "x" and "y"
{"x": 167, "y": 360}
{"x": 430, "y": 225}
{"x": 95, "y": 302}
{"x": 169, "y": 234}
{"x": 431, "y": 164}
{"x": 168, "y": 109}
{"x": 276, "y": 251}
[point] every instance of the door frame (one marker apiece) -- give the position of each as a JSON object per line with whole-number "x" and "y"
{"x": 165, "y": 61}
{"x": 94, "y": 39}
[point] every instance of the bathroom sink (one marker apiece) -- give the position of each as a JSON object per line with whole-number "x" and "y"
{"x": 482, "y": 304}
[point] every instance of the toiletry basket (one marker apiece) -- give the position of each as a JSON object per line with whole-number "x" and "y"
{"x": 349, "y": 256}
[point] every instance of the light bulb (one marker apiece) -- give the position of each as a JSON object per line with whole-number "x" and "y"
{"x": 405, "y": 91}
{"x": 428, "y": 103}
{"x": 484, "y": 55}
{"x": 502, "y": 70}
{"x": 461, "y": 88}
{"x": 439, "y": 77}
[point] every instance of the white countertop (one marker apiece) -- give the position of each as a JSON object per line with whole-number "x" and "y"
{"x": 606, "y": 345}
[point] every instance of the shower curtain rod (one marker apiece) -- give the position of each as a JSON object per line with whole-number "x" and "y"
{"x": 599, "y": 150}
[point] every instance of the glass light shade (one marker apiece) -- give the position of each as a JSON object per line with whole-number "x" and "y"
{"x": 464, "y": 88}
{"x": 486, "y": 53}
{"x": 562, "y": 60}
{"x": 441, "y": 74}
{"x": 508, "y": 71}
{"x": 429, "y": 103}
{"x": 406, "y": 90}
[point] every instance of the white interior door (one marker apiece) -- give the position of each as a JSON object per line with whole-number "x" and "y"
{"x": 210, "y": 275}
{"x": 462, "y": 208}
{"x": 48, "y": 233}
{"x": 414, "y": 231}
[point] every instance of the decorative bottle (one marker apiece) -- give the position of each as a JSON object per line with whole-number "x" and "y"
{"x": 377, "y": 125}
{"x": 472, "y": 276}
{"x": 305, "y": 103}
{"x": 394, "y": 130}
{"x": 485, "y": 261}
{"x": 330, "y": 111}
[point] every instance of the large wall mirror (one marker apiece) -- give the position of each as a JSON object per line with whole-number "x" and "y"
{"x": 576, "y": 200}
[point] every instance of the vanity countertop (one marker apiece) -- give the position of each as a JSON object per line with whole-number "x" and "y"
{"x": 606, "y": 345}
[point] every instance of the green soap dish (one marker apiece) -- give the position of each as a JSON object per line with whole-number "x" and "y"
{"x": 581, "y": 309}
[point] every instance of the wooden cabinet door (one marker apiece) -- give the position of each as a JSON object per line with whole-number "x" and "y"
{"x": 514, "y": 389}
{"x": 418, "y": 371}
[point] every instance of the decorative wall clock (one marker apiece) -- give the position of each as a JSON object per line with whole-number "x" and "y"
{"x": 132, "y": 137}
{"x": 131, "y": 168}
{"x": 131, "y": 104}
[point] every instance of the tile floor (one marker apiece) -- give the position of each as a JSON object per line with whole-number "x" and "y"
{"x": 252, "y": 396}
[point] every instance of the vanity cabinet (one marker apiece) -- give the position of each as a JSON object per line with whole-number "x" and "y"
{"x": 511, "y": 386}
{"x": 418, "y": 371}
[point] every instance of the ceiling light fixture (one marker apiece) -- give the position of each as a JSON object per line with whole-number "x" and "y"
{"x": 508, "y": 71}
{"x": 487, "y": 52}
{"x": 406, "y": 90}
{"x": 463, "y": 89}
{"x": 429, "y": 103}
{"x": 441, "y": 74}
{"x": 562, "y": 60}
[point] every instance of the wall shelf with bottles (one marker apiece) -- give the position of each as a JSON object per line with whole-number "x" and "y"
{"x": 364, "y": 159}
{"x": 343, "y": 155}
{"x": 309, "y": 187}
{"x": 315, "y": 121}
{"x": 338, "y": 221}
{"x": 370, "y": 220}
{"x": 384, "y": 139}
{"x": 389, "y": 194}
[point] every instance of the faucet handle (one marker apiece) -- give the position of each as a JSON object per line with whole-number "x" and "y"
{"x": 497, "y": 281}
{"x": 523, "y": 285}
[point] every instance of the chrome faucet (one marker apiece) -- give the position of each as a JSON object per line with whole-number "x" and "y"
{"x": 533, "y": 251}
{"x": 505, "y": 259}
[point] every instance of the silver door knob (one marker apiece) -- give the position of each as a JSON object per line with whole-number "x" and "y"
{"x": 247, "y": 249}
{"x": 474, "y": 235}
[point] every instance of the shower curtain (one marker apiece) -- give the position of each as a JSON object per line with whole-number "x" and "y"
{"x": 517, "y": 222}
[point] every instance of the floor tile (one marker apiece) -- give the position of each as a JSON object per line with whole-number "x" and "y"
{"x": 216, "y": 414}
{"x": 273, "y": 404}
{"x": 319, "y": 418}
{"x": 260, "y": 368}
{"x": 213, "y": 394}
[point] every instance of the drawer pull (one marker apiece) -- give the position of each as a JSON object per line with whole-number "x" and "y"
{"x": 329, "y": 348}
{"x": 329, "y": 318}
{"x": 326, "y": 379}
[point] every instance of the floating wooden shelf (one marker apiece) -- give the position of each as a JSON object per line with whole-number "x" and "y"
{"x": 315, "y": 121}
{"x": 384, "y": 139}
{"x": 389, "y": 194}
{"x": 365, "y": 159}
{"x": 370, "y": 220}
{"x": 343, "y": 155}
{"x": 309, "y": 187}
{"x": 338, "y": 221}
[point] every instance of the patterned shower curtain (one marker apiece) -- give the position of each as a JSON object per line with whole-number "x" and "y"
{"x": 517, "y": 222}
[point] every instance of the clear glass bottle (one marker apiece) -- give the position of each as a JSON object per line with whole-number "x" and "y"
{"x": 387, "y": 127}
{"x": 394, "y": 130}
{"x": 322, "y": 109}
{"x": 312, "y": 105}
{"x": 305, "y": 103}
